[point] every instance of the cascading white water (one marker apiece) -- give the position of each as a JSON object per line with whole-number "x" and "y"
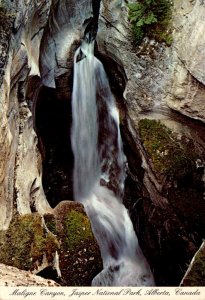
{"x": 99, "y": 173}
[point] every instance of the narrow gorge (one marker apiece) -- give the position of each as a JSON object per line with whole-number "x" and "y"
{"x": 102, "y": 142}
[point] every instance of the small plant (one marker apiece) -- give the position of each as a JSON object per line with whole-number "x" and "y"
{"x": 151, "y": 18}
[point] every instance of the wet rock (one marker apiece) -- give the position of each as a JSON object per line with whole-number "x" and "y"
{"x": 56, "y": 44}
{"x": 30, "y": 196}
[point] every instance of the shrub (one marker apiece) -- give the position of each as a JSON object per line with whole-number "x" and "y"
{"x": 151, "y": 18}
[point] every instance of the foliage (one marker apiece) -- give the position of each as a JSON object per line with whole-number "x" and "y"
{"x": 150, "y": 17}
{"x": 26, "y": 241}
{"x": 168, "y": 155}
{"x": 78, "y": 229}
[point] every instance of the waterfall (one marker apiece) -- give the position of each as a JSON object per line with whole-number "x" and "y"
{"x": 99, "y": 173}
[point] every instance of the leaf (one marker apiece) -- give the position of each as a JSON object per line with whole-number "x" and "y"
{"x": 135, "y": 6}
{"x": 140, "y": 23}
{"x": 133, "y": 19}
{"x": 146, "y": 16}
{"x": 150, "y": 19}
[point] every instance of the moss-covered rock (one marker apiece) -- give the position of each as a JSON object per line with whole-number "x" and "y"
{"x": 176, "y": 158}
{"x": 171, "y": 167}
{"x": 169, "y": 155}
{"x": 26, "y": 241}
{"x": 195, "y": 275}
{"x": 79, "y": 256}
{"x": 78, "y": 228}
{"x": 50, "y": 222}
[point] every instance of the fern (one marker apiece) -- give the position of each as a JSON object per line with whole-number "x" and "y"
{"x": 146, "y": 15}
{"x": 150, "y": 19}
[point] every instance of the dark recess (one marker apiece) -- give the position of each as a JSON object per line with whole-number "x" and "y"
{"x": 96, "y": 9}
{"x": 53, "y": 124}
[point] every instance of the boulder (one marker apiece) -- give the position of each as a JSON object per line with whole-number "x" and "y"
{"x": 79, "y": 256}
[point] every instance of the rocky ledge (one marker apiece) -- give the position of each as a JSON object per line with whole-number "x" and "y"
{"x": 10, "y": 276}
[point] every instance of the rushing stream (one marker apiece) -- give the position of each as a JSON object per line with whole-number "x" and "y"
{"x": 99, "y": 173}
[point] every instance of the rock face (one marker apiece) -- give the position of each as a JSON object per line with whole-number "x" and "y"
{"x": 188, "y": 76}
{"x": 156, "y": 78}
{"x": 10, "y": 276}
{"x": 20, "y": 179}
{"x": 64, "y": 29}
{"x": 166, "y": 193}
{"x": 164, "y": 190}
{"x": 145, "y": 68}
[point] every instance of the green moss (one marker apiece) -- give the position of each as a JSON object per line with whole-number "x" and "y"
{"x": 168, "y": 155}
{"x": 50, "y": 223}
{"x": 77, "y": 227}
{"x": 196, "y": 276}
{"x": 79, "y": 256}
{"x": 51, "y": 245}
{"x": 26, "y": 241}
{"x": 151, "y": 18}
{"x": 163, "y": 36}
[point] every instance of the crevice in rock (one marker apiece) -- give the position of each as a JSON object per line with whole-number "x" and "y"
{"x": 116, "y": 75}
{"x": 53, "y": 124}
{"x": 49, "y": 273}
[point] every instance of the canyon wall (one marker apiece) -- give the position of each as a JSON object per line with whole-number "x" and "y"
{"x": 152, "y": 82}
{"x": 21, "y": 167}
{"x": 165, "y": 183}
